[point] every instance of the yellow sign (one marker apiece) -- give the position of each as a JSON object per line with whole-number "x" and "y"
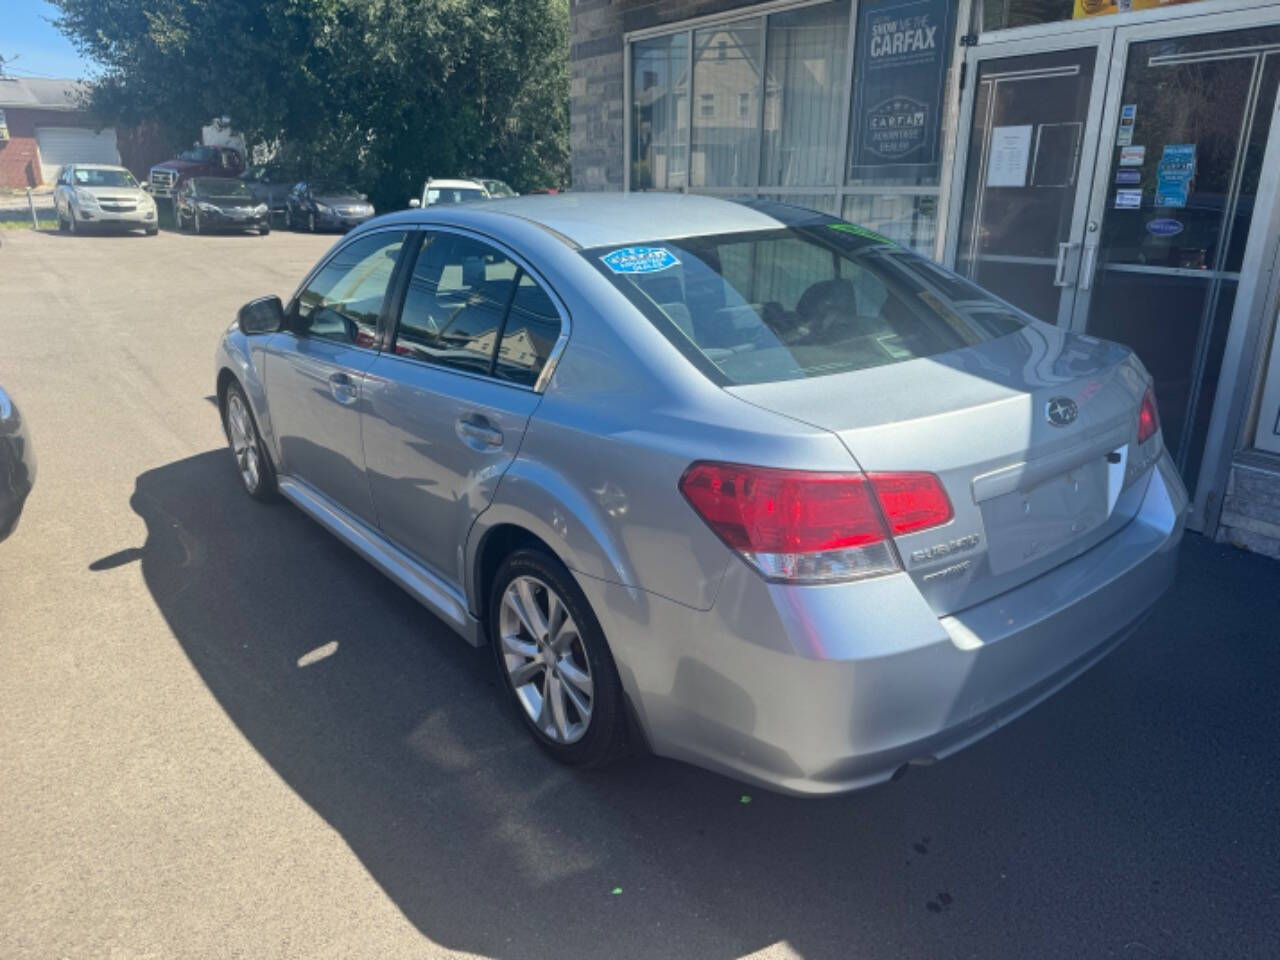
{"x": 1101, "y": 8}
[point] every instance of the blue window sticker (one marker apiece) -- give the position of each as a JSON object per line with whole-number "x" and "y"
{"x": 640, "y": 260}
{"x": 1164, "y": 227}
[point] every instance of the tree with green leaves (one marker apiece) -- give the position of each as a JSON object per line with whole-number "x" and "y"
{"x": 383, "y": 93}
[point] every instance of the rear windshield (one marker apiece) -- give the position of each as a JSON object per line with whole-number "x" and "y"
{"x": 798, "y": 302}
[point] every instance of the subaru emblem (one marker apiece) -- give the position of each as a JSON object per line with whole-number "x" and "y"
{"x": 1061, "y": 411}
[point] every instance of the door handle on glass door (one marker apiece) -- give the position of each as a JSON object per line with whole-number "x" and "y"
{"x": 1087, "y": 264}
{"x": 344, "y": 389}
{"x": 1060, "y": 270}
{"x": 477, "y": 431}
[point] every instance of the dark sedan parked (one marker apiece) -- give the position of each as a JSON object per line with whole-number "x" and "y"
{"x": 17, "y": 465}
{"x": 219, "y": 203}
{"x": 326, "y": 205}
{"x": 270, "y": 183}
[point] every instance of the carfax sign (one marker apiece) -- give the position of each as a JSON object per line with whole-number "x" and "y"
{"x": 902, "y": 68}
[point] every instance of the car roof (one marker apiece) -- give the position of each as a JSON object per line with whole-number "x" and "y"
{"x": 607, "y": 219}
{"x": 98, "y": 166}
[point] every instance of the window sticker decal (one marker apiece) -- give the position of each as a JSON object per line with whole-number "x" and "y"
{"x": 640, "y": 260}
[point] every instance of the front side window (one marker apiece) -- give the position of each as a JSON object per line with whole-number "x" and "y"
{"x": 470, "y": 307}
{"x": 805, "y": 301}
{"x": 343, "y": 301}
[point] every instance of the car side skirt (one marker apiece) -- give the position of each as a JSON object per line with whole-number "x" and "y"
{"x": 433, "y": 592}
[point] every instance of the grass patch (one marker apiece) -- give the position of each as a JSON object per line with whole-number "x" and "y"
{"x": 26, "y": 224}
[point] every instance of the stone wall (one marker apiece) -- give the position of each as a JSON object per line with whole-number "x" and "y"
{"x": 596, "y": 94}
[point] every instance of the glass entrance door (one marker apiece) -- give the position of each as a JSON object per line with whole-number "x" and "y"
{"x": 1184, "y": 135}
{"x": 1031, "y": 146}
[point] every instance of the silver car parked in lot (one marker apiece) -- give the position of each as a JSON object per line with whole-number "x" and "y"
{"x": 101, "y": 196}
{"x": 746, "y": 484}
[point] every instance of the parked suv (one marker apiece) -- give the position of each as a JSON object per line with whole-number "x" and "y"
{"x": 199, "y": 161}
{"x": 98, "y": 195}
{"x": 449, "y": 191}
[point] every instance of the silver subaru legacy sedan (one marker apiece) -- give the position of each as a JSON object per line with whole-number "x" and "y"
{"x": 743, "y": 484}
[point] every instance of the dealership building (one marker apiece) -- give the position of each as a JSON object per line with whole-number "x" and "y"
{"x": 1111, "y": 166}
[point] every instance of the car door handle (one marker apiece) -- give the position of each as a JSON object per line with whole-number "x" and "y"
{"x": 478, "y": 432}
{"x": 344, "y": 389}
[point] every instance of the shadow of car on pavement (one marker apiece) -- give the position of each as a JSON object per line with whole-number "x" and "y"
{"x": 393, "y": 730}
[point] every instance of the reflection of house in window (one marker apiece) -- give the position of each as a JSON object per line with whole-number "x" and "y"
{"x": 726, "y": 79}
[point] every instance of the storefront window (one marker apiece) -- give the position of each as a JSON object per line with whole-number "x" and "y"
{"x": 761, "y": 106}
{"x": 908, "y": 219}
{"x": 1002, "y": 14}
{"x": 659, "y": 112}
{"x": 804, "y": 95}
{"x": 726, "y": 80}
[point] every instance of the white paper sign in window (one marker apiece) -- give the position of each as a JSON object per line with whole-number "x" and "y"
{"x": 1007, "y": 162}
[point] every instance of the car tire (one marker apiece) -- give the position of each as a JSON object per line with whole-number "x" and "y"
{"x": 253, "y": 463}
{"x": 311, "y": 223}
{"x": 550, "y": 702}
{"x": 153, "y": 231}
{"x": 63, "y": 226}
{"x": 264, "y": 229}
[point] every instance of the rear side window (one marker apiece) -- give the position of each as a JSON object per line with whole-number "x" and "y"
{"x": 531, "y": 330}
{"x": 801, "y": 302}
{"x": 470, "y": 307}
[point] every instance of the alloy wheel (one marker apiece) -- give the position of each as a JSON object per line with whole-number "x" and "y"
{"x": 244, "y": 442}
{"x": 546, "y": 660}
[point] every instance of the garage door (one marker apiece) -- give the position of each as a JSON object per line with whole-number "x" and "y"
{"x": 63, "y": 145}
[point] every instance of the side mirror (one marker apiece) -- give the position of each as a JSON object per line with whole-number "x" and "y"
{"x": 415, "y": 203}
{"x": 146, "y": 187}
{"x": 264, "y": 315}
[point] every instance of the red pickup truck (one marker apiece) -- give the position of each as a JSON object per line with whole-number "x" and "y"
{"x": 199, "y": 161}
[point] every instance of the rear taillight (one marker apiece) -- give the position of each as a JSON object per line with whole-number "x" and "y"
{"x": 1148, "y": 418}
{"x": 812, "y": 527}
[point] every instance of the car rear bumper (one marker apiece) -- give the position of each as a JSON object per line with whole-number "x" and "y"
{"x": 823, "y": 689}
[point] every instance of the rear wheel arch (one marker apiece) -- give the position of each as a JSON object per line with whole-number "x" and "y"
{"x": 497, "y": 544}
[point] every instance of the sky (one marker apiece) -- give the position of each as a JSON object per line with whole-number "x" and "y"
{"x": 31, "y": 46}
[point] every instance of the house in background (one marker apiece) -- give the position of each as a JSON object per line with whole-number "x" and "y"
{"x": 43, "y": 126}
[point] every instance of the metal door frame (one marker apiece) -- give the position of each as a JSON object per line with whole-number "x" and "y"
{"x": 1101, "y": 39}
{"x": 1215, "y": 461}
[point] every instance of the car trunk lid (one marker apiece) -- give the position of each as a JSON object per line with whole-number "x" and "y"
{"x": 1033, "y": 435}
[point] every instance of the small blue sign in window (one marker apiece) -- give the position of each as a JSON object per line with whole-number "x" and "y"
{"x": 640, "y": 260}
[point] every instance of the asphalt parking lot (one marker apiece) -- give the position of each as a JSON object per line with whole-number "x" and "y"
{"x": 222, "y": 734}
